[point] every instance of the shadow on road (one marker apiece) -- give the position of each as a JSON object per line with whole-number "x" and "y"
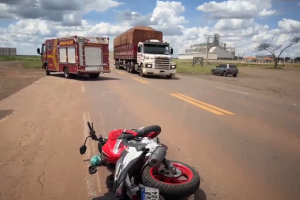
{"x": 87, "y": 78}
{"x": 156, "y": 76}
{"x": 101, "y": 78}
{"x": 199, "y": 195}
{"x": 109, "y": 185}
{"x": 174, "y": 78}
{"x": 4, "y": 113}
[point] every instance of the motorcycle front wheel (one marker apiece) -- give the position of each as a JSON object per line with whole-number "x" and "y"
{"x": 183, "y": 186}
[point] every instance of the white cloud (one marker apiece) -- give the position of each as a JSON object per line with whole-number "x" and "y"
{"x": 238, "y": 9}
{"x": 67, "y": 12}
{"x": 289, "y": 25}
{"x": 99, "y": 5}
{"x": 167, "y": 16}
{"x": 241, "y": 32}
{"x": 168, "y": 13}
{"x": 244, "y": 35}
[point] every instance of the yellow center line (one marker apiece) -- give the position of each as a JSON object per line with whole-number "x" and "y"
{"x": 206, "y": 104}
{"x": 198, "y": 105}
{"x": 142, "y": 81}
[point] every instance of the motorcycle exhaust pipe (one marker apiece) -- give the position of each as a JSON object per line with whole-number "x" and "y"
{"x": 157, "y": 157}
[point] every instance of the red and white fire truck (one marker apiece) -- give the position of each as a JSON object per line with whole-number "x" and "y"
{"x": 76, "y": 55}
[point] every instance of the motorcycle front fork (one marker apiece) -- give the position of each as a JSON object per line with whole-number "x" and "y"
{"x": 169, "y": 166}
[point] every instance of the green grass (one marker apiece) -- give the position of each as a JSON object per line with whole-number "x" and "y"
{"x": 28, "y": 62}
{"x": 186, "y": 66}
{"x": 32, "y": 64}
{"x": 20, "y": 58}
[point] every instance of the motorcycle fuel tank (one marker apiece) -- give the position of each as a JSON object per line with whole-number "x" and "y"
{"x": 113, "y": 148}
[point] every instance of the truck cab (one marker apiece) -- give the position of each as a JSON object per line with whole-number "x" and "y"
{"x": 155, "y": 58}
{"x": 43, "y": 54}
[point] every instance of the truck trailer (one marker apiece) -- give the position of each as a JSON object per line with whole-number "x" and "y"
{"x": 76, "y": 55}
{"x": 141, "y": 49}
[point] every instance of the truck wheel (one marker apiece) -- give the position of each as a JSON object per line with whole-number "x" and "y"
{"x": 94, "y": 76}
{"x": 168, "y": 76}
{"x": 131, "y": 68}
{"x": 128, "y": 67}
{"x": 141, "y": 70}
{"x": 47, "y": 71}
{"x": 66, "y": 73}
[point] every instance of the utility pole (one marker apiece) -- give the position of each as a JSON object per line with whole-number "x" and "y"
{"x": 207, "y": 38}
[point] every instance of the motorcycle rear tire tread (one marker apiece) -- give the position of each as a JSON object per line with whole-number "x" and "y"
{"x": 172, "y": 191}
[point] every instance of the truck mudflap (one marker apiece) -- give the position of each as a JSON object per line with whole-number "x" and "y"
{"x": 106, "y": 71}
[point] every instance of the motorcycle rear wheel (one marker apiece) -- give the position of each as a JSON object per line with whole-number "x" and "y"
{"x": 172, "y": 187}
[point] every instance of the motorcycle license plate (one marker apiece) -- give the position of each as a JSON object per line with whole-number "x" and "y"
{"x": 150, "y": 193}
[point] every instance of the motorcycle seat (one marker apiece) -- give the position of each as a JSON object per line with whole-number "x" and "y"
{"x": 149, "y": 131}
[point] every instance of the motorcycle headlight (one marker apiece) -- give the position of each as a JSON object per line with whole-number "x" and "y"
{"x": 173, "y": 66}
{"x": 148, "y": 65}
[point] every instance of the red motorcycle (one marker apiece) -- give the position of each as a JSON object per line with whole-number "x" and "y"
{"x": 139, "y": 158}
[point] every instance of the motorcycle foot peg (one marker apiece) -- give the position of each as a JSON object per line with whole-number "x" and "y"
{"x": 92, "y": 169}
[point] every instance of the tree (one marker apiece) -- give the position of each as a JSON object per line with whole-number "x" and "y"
{"x": 272, "y": 49}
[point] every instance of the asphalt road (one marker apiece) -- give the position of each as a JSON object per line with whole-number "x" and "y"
{"x": 244, "y": 143}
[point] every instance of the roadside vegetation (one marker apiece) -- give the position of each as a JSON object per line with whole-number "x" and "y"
{"x": 186, "y": 66}
{"x": 271, "y": 48}
{"x": 28, "y": 62}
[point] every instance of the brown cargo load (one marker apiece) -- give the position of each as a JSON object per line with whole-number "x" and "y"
{"x": 138, "y": 34}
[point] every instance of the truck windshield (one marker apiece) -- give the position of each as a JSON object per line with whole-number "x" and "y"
{"x": 156, "y": 49}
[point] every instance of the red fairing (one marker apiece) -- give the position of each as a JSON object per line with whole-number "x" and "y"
{"x": 113, "y": 147}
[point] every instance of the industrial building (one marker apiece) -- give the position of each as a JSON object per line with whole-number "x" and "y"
{"x": 5, "y": 51}
{"x": 216, "y": 50}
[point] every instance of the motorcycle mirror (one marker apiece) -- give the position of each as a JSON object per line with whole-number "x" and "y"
{"x": 82, "y": 149}
{"x": 92, "y": 169}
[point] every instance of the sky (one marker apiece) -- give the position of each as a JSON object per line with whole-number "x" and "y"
{"x": 242, "y": 24}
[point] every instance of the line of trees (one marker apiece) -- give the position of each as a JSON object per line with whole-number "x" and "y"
{"x": 289, "y": 59}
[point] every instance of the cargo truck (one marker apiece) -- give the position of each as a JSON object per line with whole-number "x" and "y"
{"x": 141, "y": 49}
{"x": 76, "y": 55}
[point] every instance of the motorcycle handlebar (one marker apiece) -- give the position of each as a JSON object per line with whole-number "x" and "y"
{"x": 90, "y": 126}
{"x": 92, "y": 131}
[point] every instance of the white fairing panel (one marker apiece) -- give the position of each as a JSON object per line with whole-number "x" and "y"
{"x": 93, "y": 56}
{"x": 132, "y": 153}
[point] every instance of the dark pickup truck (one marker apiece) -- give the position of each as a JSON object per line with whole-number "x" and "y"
{"x": 225, "y": 69}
